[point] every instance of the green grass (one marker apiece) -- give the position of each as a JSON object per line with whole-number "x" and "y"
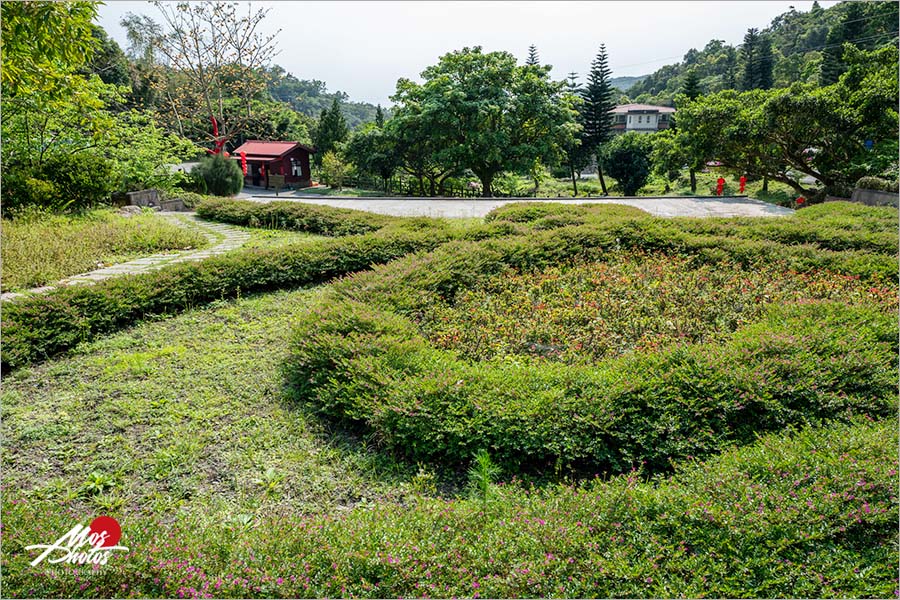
{"x": 46, "y": 248}
{"x": 182, "y": 414}
{"x": 261, "y": 238}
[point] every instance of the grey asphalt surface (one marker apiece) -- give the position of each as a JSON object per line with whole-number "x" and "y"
{"x": 668, "y": 206}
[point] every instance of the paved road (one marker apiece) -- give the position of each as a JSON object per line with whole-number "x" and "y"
{"x": 221, "y": 238}
{"x": 668, "y": 206}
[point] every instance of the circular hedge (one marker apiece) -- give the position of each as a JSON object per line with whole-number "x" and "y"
{"x": 366, "y": 355}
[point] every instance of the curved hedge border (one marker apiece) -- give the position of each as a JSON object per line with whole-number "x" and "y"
{"x": 294, "y": 216}
{"x": 37, "y": 327}
{"x": 800, "y": 365}
{"x": 359, "y": 357}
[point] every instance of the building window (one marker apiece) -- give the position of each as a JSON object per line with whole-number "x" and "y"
{"x": 640, "y": 119}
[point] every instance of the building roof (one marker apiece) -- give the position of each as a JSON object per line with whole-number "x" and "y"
{"x": 262, "y": 150}
{"x": 645, "y": 108}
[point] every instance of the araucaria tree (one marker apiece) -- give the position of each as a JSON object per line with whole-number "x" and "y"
{"x": 758, "y": 61}
{"x": 533, "y": 59}
{"x": 212, "y": 55}
{"x": 596, "y": 114}
{"x": 484, "y": 112}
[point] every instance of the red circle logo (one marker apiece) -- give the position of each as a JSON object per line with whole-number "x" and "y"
{"x": 110, "y": 526}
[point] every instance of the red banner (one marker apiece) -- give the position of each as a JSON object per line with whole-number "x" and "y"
{"x": 244, "y": 162}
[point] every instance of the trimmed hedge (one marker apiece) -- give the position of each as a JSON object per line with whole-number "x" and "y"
{"x": 40, "y": 326}
{"x": 294, "y": 216}
{"x": 803, "y": 364}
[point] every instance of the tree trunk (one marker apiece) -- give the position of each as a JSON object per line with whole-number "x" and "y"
{"x": 574, "y": 183}
{"x": 602, "y": 181}
{"x": 421, "y": 186}
{"x": 486, "y": 180}
{"x": 765, "y": 187}
{"x": 693, "y": 181}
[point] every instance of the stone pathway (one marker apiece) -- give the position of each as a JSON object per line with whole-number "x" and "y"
{"x": 221, "y": 238}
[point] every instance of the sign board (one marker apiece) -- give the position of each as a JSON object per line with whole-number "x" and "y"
{"x": 277, "y": 181}
{"x": 869, "y": 144}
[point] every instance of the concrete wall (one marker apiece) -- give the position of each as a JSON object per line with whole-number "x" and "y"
{"x": 144, "y": 198}
{"x": 875, "y": 198}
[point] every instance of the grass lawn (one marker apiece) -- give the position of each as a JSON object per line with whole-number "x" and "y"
{"x": 184, "y": 414}
{"x": 46, "y": 248}
{"x": 262, "y": 238}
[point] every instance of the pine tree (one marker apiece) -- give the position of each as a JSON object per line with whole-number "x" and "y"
{"x": 758, "y": 61}
{"x": 596, "y": 110}
{"x": 691, "y": 86}
{"x": 750, "y": 55}
{"x": 331, "y": 131}
{"x": 533, "y": 59}
{"x": 379, "y": 117}
{"x": 572, "y": 83}
{"x": 766, "y": 62}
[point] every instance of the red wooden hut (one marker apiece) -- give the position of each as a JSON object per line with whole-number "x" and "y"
{"x": 290, "y": 159}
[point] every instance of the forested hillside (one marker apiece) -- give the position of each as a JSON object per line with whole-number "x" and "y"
{"x": 311, "y": 96}
{"x": 797, "y": 46}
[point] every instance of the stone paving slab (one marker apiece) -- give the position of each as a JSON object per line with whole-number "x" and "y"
{"x": 220, "y": 236}
{"x": 666, "y": 206}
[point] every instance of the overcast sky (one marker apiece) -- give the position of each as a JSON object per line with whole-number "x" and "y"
{"x": 362, "y": 48}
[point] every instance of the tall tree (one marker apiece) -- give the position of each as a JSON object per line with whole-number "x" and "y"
{"x": 42, "y": 44}
{"x": 758, "y": 61}
{"x": 533, "y": 58}
{"x": 379, "y": 117}
{"x": 766, "y": 63}
{"x": 488, "y": 114}
{"x": 374, "y": 150}
{"x": 691, "y": 86}
{"x": 212, "y": 54}
{"x": 332, "y": 130}
{"x": 750, "y": 58}
{"x": 769, "y": 133}
{"x": 596, "y": 110}
{"x": 849, "y": 30}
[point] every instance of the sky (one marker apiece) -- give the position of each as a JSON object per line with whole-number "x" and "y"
{"x": 364, "y": 47}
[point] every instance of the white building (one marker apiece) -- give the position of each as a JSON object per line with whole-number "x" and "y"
{"x": 643, "y": 118}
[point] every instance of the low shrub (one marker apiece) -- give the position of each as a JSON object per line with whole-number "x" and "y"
{"x": 806, "y": 514}
{"x": 294, "y": 216}
{"x": 371, "y": 367}
{"x": 40, "y": 326}
{"x": 589, "y": 311}
{"x": 62, "y": 182}
{"x": 527, "y": 212}
{"x": 877, "y": 184}
{"x": 223, "y": 177}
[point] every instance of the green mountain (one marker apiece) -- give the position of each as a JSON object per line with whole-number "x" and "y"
{"x": 623, "y": 83}
{"x": 806, "y": 46}
{"x": 309, "y": 97}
